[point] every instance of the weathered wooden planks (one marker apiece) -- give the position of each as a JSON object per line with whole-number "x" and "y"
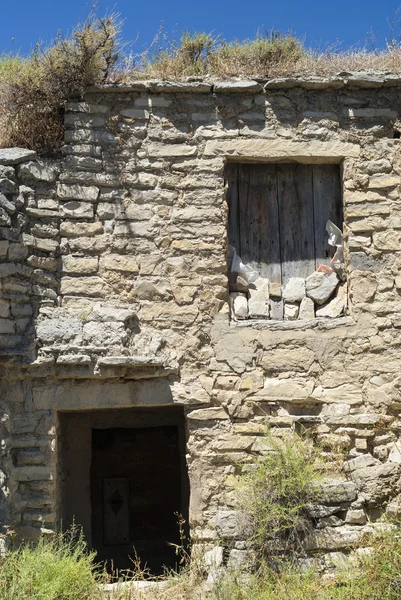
{"x": 296, "y": 220}
{"x": 278, "y": 214}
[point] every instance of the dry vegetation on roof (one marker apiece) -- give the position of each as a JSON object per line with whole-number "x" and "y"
{"x": 34, "y": 89}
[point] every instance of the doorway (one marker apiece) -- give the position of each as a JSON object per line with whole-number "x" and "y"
{"x": 124, "y": 478}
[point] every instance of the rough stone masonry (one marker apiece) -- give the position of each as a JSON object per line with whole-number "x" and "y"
{"x": 115, "y": 294}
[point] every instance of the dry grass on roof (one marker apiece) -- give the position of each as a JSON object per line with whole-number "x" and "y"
{"x": 35, "y": 89}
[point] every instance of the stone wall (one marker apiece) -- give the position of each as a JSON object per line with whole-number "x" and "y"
{"x": 114, "y": 293}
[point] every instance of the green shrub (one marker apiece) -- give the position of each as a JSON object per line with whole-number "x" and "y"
{"x": 275, "y": 495}
{"x": 58, "y": 567}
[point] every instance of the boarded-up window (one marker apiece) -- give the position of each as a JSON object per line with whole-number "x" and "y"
{"x": 278, "y": 214}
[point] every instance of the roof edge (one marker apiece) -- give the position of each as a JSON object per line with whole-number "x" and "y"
{"x": 363, "y": 80}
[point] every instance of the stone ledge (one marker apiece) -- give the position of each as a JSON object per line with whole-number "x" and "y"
{"x": 130, "y": 361}
{"x": 362, "y": 79}
{"x": 15, "y": 156}
{"x": 321, "y": 323}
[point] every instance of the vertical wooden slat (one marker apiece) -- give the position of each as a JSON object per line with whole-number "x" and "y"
{"x": 231, "y": 181}
{"x": 297, "y": 237}
{"x": 258, "y": 216}
{"x": 327, "y": 205}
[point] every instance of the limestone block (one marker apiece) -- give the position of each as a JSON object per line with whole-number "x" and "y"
{"x": 168, "y": 313}
{"x": 239, "y": 305}
{"x": 110, "y": 313}
{"x": 167, "y": 150}
{"x": 77, "y": 210}
{"x": 14, "y": 156}
{"x": 258, "y": 301}
{"x": 157, "y": 289}
{"x": 334, "y": 538}
{"x": 306, "y": 309}
{"x": 135, "y": 212}
{"x": 378, "y": 482}
{"x": 85, "y": 120}
{"x": 77, "y": 192}
{"x": 71, "y": 229}
{"x": 87, "y": 107}
{"x": 334, "y": 309}
{"x": 319, "y": 511}
{"x": 50, "y": 331}
{"x": 383, "y": 181}
{"x": 227, "y": 523}
{"x": 107, "y": 210}
{"x": 41, "y": 262}
{"x": 80, "y": 265}
{"x": 207, "y": 414}
{"x": 83, "y": 286}
{"x": 119, "y": 262}
{"x": 387, "y": 240}
{"x": 356, "y": 516}
{"x": 320, "y": 286}
{"x": 363, "y": 286}
{"x": 338, "y": 490}
{"x": 44, "y": 245}
{"x": 294, "y": 291}
{"x": 291, "y": 311}
{"x": 290, "y": 390}
{"x": 7, "y": 205}
{"x": 347, "y": 393}
{"x": 104, "y": 334}
{"x": 38, "y": 170}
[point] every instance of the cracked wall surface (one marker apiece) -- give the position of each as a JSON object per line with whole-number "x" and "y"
{"x": 114, "y": 294}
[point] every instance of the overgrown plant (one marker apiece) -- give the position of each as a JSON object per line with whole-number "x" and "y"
{"x": 58, "y": 567}
{"x": 34, "y": 90}
{"x": 275, "y": 496}
{"x": 374, "y": 575}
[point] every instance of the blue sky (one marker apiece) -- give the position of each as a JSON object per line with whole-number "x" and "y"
{"x": 318, "y": 22}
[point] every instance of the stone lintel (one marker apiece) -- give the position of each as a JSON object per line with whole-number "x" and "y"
{"x": 266, "y": 150}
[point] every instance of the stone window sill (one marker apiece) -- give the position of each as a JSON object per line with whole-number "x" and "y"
{"x": 320, "y": 323}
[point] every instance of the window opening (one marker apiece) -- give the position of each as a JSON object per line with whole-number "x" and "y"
{"x": 285, "y": 229}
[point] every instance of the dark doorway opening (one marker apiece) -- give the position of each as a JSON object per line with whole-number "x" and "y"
{"x": 136, "y": 495}
{"x": 124, "y": 478}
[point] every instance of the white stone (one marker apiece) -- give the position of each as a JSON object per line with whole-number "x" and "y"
{"x": 291, "y": 311}
{"x": 258, "y": 302}
{"x": 239, "y": 305}
{"x": 294, "y": 290}
{"x": 395, "y": 453}
{"x": 306, "y": 309}
{"x": 333, "y": 309}
{"x": 320, "y": 286}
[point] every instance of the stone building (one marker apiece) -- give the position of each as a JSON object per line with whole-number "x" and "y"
{"x": 167, "y": 286}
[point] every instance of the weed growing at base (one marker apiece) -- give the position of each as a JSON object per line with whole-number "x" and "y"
{"x": 275, "y": 495}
